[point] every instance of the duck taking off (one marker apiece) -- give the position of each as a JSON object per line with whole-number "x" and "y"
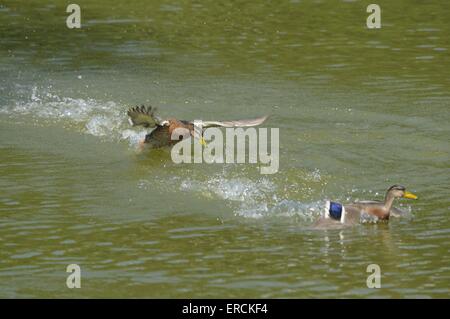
{"x": 360, "y": 211}
{"x": 162, "y": 134}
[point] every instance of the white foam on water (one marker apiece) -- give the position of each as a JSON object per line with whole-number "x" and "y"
{"x": 306, "y": 212}
{"x": 133, "y": 137}
{"x": 291, "y": 208}
{"x": 98, "y": 118}
{"x": 238, "y": 189}
{"x": 99, "y": 125}
{"x": 258, "y": 198}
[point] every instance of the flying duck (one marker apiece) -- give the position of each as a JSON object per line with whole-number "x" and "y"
{"x": 162, "y": 134}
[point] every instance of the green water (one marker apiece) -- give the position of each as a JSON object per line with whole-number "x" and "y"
{"x": 358, "y": 110}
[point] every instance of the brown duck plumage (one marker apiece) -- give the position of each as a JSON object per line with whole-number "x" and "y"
{"x": 162, "y": 134}
{"x": 376, "y": 210}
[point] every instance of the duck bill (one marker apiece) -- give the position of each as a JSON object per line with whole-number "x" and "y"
{"x": 410, "y": 195}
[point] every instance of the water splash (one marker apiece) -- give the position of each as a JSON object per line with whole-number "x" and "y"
{"x": 98, "y": 118}
{"x": 253, "y": 198}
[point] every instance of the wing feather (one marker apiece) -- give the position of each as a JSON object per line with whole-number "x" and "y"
{"x": 145, "y": 116}
{"x": 238, "y": 123}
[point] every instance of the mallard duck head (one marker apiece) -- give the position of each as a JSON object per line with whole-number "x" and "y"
{"x": 398, "y": 191}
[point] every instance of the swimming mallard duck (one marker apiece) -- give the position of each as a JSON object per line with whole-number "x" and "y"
{"x": 161, "y": 135}
{"x": 365, "y": 210}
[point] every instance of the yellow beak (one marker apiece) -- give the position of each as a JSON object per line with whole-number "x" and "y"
{"x": 409, "y": 195}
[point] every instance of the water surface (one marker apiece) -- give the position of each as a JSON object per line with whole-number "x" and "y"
{"x": 358, "y": 110}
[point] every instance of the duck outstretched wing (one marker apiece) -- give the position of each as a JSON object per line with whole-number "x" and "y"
{"x": 145, "y": 116}
{"x": 237, "y": 123}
